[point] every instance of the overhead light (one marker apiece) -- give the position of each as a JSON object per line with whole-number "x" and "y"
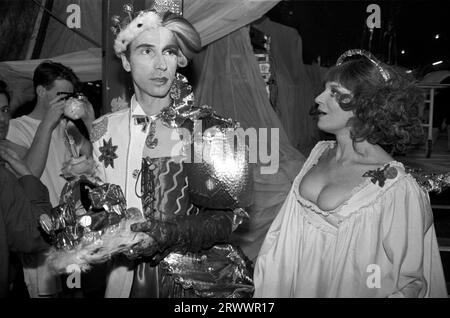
{"x": 403, "y": 52}
{"x": 436, "y": 36}
{"x": 438, "y": 62}
{"x": 408, "y": 71}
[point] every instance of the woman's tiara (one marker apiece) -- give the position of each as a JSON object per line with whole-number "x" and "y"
{"x": 367, "y": 55}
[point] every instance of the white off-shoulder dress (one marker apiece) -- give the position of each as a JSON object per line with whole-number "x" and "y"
{"x": 381, "y": 242}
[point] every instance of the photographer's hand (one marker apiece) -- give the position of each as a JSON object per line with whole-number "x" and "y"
{"x": 37, "y": 154}
{"x": 54, "y": 113}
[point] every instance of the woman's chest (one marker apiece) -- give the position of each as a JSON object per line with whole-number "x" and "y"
{"x": 328, "y": 187}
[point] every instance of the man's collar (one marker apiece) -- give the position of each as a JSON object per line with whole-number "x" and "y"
{"x": 136, "y": 108}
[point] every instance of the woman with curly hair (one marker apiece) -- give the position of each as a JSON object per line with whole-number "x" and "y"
{"x": 355, "y": 223}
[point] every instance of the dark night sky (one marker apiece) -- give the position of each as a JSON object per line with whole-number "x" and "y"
{"x": 328, "y": 28}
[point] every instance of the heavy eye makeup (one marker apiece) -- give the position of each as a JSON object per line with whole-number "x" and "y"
{"x": 339, "y": 94}
{"x": 335, "y": 91}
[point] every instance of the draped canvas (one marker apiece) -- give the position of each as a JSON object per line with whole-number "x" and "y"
{"x": 228, "y": 79}
{"x": 59, "y": 39}
{"x": 295, "y": 89}
{"x": 86, "y": 64}
{"x": 214, "y": 19}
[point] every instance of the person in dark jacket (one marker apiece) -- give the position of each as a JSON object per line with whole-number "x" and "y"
{"x": 22, "y": 200}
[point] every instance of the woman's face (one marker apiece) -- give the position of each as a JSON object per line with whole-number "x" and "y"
{"x": 5, "y": 116}
{"x": 332, "y": 118}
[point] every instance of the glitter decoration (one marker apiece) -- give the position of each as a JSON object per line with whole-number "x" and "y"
{"x": 367, "y": 55}
{"x": 151, "y": 142}
{"x": 430, "y": 181}
{"x": 174, "y": 6}
{"x": 99, "y": 130}
{"x": 220, "y": 272}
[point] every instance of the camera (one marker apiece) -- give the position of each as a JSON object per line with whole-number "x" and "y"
{"x": 74, "y": 104}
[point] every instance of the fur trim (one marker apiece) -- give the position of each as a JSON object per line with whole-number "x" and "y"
{"x": 144, "y": 21}
{"x": 116, "y": 239}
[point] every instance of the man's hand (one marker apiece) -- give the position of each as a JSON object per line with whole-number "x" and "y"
{"x": 20, "y": 150}
{"x": 15, "y": 162}
{"x": 54, "y": 113}
{"x": 164, "y": 234}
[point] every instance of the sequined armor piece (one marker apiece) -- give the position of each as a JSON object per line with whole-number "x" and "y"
{"x": 190, "y": 251}
{"x": 164, "y": 189}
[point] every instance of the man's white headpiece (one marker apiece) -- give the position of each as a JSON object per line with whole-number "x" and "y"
{"x": 129, "y": 28}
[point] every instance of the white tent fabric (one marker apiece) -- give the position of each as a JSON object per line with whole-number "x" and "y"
{"x": 86, "y": 63}
{"x": 214, "y": 19}
{"x": 60, "y": 40}
{"x": 18, "y": 75}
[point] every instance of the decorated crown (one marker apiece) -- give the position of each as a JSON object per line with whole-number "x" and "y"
{"x": 127, "y": 28}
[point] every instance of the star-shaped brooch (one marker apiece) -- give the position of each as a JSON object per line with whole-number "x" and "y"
{"x": 381, "y": 174}
{"x": 108, "y": 153}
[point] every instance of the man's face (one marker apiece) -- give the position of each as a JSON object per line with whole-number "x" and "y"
{"x": 152, "y": 61}
{"x": 59, "y": 86}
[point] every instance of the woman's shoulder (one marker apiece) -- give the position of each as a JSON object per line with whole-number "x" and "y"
{"x": 321, "y": 147}
{"x": 392, "y": 181}
{"x": 384, "y": 185}
{"x": 386, "y": 174}
{"x": 325, "y": 144}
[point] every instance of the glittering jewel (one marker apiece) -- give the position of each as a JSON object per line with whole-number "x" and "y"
{"x": 108, "y": 153}
{"x": 174, "y": 6}
{"x": 431, "y": 181}
{"x": 160, "y": 7}
{"x": 151, "y": 142}
{"x": 381, "y": 174}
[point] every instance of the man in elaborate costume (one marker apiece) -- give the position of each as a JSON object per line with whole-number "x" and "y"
{"x": 139, "y": 149}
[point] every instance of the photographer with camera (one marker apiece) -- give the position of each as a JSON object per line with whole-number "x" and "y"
{"x": 52, "y": 140}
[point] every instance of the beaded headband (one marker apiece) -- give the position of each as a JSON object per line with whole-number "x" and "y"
{"x": 128, "y": 28}
{"x": 367, "y": 55}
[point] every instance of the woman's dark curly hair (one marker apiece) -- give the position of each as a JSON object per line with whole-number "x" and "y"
{"x": 385, "y": 112}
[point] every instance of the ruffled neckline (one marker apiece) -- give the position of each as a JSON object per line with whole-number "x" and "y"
{"x": 312, "y": 161}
